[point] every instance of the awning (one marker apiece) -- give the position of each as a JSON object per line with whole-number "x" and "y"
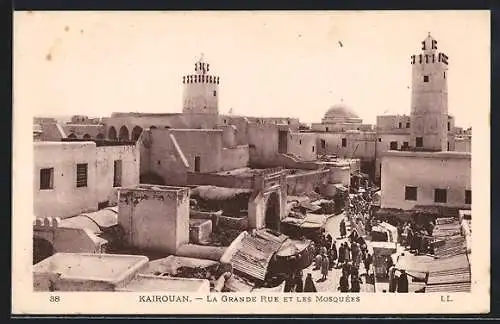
{"x": 292, "y": 247}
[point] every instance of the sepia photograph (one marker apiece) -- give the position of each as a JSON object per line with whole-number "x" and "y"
{"x": 227, "y": 155}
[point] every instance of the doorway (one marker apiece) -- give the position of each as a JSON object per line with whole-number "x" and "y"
{"x": 273, "y": 212}
{"x": 282, "y": 141}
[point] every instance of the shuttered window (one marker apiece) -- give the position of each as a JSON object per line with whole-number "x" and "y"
{"x": 46, "y": 178}
{"x": 81, "y": 175}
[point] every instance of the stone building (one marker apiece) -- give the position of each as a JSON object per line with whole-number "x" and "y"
{"x": 73, "y": 177}
{"x": 425, "y": 173}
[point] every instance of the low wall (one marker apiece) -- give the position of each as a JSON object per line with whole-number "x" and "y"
{"x": 298, "y": 184}
{"x": 201, "y": 252}
{"x": 218, "y": 180}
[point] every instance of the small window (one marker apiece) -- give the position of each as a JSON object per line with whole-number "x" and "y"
{"x": 323, "y": 144}
{"x": 407, "y": 125}
{"x": 410, "y": 193}
{"x": 444, "y": 75}
{"x": 215, "y": 93}
{"x": 468, "y": 197}
{"x": 394, "y": 145}
{"x": 405, "y": 144}
{"x": 400, "y": 125}
{"x": 81, "y": 175}
{"x": 326, "y": 129}
{"x": 47, "y": 179}
{"x": 440, "y": 195}
{"x": 117, "y": 177}
{"x": 426, "y": 78}
{"x": 300, "y": 141}
{"x": 344, "y": 142}
{"x": 225, "y": 121}
{"x": 313, "y": 148}
{"x": 448, "y": 146}
{"x": 449, "y": 126}
{"x": 380, "y": 139}
{"x": 419, "y": 142}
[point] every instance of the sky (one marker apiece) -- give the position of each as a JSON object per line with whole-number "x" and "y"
{"x": 269, "y": 63}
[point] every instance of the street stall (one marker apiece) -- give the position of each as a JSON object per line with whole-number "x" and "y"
{"x": 381, "y": 252}
{"x": 309, "y": 226}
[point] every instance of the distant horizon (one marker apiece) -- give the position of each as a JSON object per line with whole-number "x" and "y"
{"x": 271, "y": 64}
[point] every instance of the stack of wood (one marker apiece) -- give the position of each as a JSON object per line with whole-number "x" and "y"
{"x": 448, "y": 240}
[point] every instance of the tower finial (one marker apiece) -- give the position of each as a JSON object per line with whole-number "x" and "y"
{"x": 201, "y": 57}
{"x": 428, "y": 33}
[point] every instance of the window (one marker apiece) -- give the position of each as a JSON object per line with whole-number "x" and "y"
{"x": 406, "y": 144}
{"x": 407, "y": 125}
{"x": 300, "y": 141}
{"x": 81, "y": 175}
{"x": 400, "y": 125}
{"x": 426, "y": 78}
{"x": 449, "y": 126}
{"x": 468, "y": 197}
{"x": 448, "y": 146}
{"x": 197, "y": 162}
{"x": 46, "y": 179}
{"x": 380, "y": 139}
{"x": 394, "y": 145}
{"x": 419, "y": 142}
{"x": 326, "y": 129}
{"x": 313, "y": 148}
{"x": 344, "y": 142}
{"x": 444, "y": 75}
{"x": 323, "y": 144}
{"x": 215, "y": 93}
{"x": 440, "y": 195}
{"x": 117, "y": 177}
{"x": 410, "y": 193}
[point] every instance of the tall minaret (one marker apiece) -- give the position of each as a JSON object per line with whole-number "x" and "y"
{"x": 429, "y": 98}
{"x": 201, "y": 90}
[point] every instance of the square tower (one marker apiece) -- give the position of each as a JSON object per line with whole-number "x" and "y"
{"x": 429, "y": 98}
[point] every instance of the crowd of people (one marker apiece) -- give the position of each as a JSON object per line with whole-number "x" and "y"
{"x": 350, "y": 252}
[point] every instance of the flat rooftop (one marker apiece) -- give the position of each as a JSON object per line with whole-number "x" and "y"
{"x": 166, "y": 284}
{"x": 98, "y": 143}
{"x": 90, "y": 266}
{"x": 431, "y": 155}
{"x": 146, "y": 187}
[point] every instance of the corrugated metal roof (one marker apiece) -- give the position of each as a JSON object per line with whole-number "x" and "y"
{"x": 454, "y": 287}
{"x": 255, "y": 253}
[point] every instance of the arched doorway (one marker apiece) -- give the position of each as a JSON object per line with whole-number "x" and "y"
{"x": 72, "y": 135}
{"x": 42, "y": 249}
{"x": 87, "y": 136}
{"x": 112, "y": 133}
{"x": 136, "y": 133}
{"x": 273, "y": 212}
{"x": 124, "y": 136}
{"x": 100, "y": 136}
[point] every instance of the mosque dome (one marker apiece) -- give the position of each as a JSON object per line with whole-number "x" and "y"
{"x": 341, "y": 113}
